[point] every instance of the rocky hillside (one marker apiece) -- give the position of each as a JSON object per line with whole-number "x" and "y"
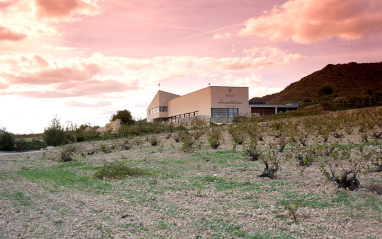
{"x": 352, "y": 79}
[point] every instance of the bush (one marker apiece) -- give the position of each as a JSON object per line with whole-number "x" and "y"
{"x": 153, "y": 140}
{"x": 67, "y": 153}
{"x": 125, "y": 117}
{"x": 118, "y": 170}
{"x": 21, "y": 145}
{"x": 188, "y": 142}
{"x": 214, "y": 137}
{"x": 55, "y": 134}
{"x": 7, "y": 141}
{"x": 35, "y": 144}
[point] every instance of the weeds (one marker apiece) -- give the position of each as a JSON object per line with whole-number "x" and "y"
{"x": 119, "y": 170}
{"x": 292, "y": 209}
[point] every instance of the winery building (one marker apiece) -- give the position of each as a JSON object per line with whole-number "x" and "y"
{"x": 214, "y": 103}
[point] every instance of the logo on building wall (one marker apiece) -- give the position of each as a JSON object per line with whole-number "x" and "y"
{"x": 232, "y": 102}
{"x": 230, "y": 95}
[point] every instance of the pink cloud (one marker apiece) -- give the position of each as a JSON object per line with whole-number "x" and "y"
{"x": 221, "y": 36}
{"x": 3, "y": 86}
{"x": 47, "y": 76}
{"x": 72, "y": 89}
{"x": 36, "y": 76}
{"x": 8, "y": 35}
{"x": 307, "y": 21}
{"x": 65, "y": 9}
{"x": 5, "y": 4}
{"x": 78, "y": 103}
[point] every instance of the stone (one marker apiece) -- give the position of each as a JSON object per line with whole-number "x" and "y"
{"x": 58, "y": 220}
{"x": 112, "y": 127}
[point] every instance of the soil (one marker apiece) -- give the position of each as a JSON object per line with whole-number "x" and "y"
{"x": 205, "y": 194}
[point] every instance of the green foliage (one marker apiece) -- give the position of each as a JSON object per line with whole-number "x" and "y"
{"x": 215, "y": 137}
{"x": 119, "y": 170}
{"x": 7, "y": 141}
{"x": 67, "y": 153}
{"x": 153, "y": 140}
{"x": 187, "y": 142}
{"x": 125, "y": 117}
{"x": 55, "y": 134}
{"x": 20, "y": 145}
{"x": 237, "y": 132}
{"x": 271, "y": 159}
{"x": 105, "y": 148}
{"x": 34, "y": 144}
{"x": 292, "y": 209}
{"x": 342, "y": 164}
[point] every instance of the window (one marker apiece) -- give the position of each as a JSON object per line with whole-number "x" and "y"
{"x": 224, "y": 113}
{"x": 158, "y": 109}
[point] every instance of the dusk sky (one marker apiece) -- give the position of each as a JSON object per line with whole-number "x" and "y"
{"x": 83, "y": 60}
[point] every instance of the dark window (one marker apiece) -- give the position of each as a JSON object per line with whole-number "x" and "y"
{"x": 224, "y": 113}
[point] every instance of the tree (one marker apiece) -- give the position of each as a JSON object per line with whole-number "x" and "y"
{"x": 55, "y": 134}
{"x": 7, "y": 141}
{"x": 124, "y": 116}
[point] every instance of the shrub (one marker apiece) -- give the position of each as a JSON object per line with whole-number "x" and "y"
{"x": 238, "y": 133}
{"x": 214, "y": 137}
{"x": 67, "y": 153}
{"x": 105, "y": 148}
{"x": 306, "y": 158}
{"x": 252, "y": 149}
{"x": 188, "y": 142}
{"x": 153, "y": 140}
{"x": 21, "y": 145}
{"x": 55, "y": 134}
{"x": 7, "y": 141}
{"x": 35, "y": 144}
{"x": 118, "y": 170}
{"x": 341, "y": 164}
{"x": 272, "y": 160}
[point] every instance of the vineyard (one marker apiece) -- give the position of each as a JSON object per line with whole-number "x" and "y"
{"x": 298, "y": 177}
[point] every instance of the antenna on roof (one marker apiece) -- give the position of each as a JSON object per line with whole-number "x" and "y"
{"x": 209, "y": 84}
{"x": 159, "y": 86}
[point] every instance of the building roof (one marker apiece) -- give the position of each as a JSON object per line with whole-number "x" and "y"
{"x": 161, "y": 98}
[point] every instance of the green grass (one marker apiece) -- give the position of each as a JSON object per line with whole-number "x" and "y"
{"x": 64, "y": 175}
{"x": 119, "y": 170}
{"x": 18, "y": 198}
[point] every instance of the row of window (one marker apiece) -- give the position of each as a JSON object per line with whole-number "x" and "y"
{"x": 158, "y": 109}
{"x": 215, "y": 113}
{"x": 224, "y": 113}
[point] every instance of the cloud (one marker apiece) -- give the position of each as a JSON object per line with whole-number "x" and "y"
{"x": 7, "y": 35}
{"x": 250, "y": 80}
{"x": 307, "y": 21}
{"x": 81, "y": 103}
{"x": 36, "y": 76}
{"x": 274, "y": 54}
{"x": 23, "y": 20}
{"x": 5, "y": 4}
{"x": 3, "y": 86}
{"x": 69, "y": 90}
{"x": 66, "y": 9}
{"x": 221, "y": 36}
{"x": 262, "y": 91}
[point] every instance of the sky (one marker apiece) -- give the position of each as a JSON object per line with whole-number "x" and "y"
{"x": 82, "y": 60}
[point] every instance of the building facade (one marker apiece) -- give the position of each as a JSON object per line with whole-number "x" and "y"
{"x": 215, "y": 103}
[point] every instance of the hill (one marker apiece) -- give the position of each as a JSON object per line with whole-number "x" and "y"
{"x": 352, "y": 79}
